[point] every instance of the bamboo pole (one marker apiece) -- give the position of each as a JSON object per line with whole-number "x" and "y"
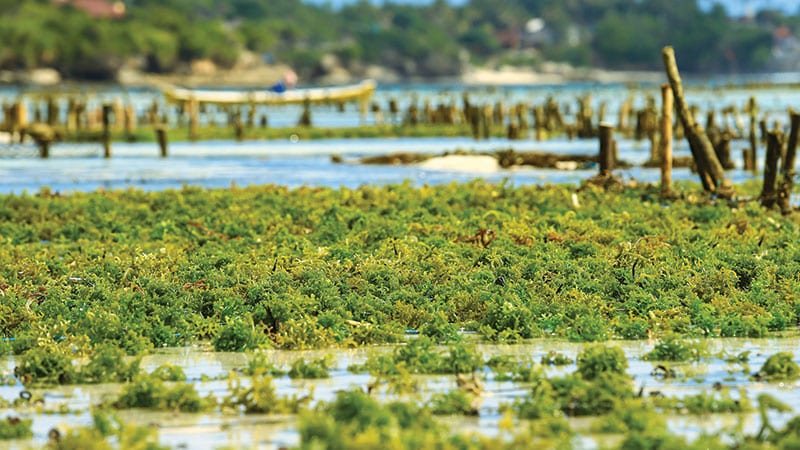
{"x": 787, "y": 170}
{"x": 666, "y": 140}
{"x": 707, "y": 163}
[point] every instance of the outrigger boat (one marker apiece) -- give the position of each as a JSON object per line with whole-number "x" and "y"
{"x": 360, "y": 92}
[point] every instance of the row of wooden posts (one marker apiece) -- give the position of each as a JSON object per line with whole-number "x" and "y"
{"x": 710, "y": 146}
{"x": 706, "y": 154}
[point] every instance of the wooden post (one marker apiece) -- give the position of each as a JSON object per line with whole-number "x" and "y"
{"x": 486, "y": 121}
{"x": 238, "y": 130}
{"x": 539, "y": 124}
{"x": 52, "y": 112}
{"x": 129, "y": 120}
{"x": 475, "y": 122}
{"x": 768, "y": 191}
{"x": 106, "y": 130}
{"x": 393, "y": 110}
{"x": 251, "y": 115}
{"x": 624, "y": 112}
{"x": 161, "y": 137}
{"x": 787, "y": 170}
{"x": 723, "y": 150}
{"x": 305, "y": 118}
{"x": 363, "y": 107}
{"x": 194, "y": 119}
{"x": 606, "y": 157}
{"x": 667, "y": 105}
{"x": 708, "y": 165}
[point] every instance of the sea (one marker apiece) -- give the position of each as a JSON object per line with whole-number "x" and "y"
{"x": 296, "y": 162}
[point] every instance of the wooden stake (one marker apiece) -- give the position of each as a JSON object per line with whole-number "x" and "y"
{"x": 708, "y": 165}
{"x": 787, "y": 171}
{"x": 667, "y": 105}
{"x": 768, "y": 192}
{"x": 161, "y": 137}
{"x": 106, "y": 130}
{"x": 606, "y": 157}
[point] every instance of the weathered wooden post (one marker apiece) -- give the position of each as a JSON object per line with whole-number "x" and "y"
{"x": 723, "y": 150}
{"x": 787, "y": 169}
{"x": 606, "y": 157}
{"x": 119, "y": 115}
{"x": 194, "y": 118}
{"x": 750, "y": 160}
{"x": 539, "y": 124}
{"x": 305, "y": 118}
{"x": 708, "y": 166}
{"x": 624, "y": 112}
{"x": 475, "y": 122}
{"x": 264, "y": 121}
{"x": 161, "y": 137}
{"x": 251, "y": 115}
{"x": 129, "y": 120}
{"x": 667, "y": 105}
{"x": 393, "y": 110}
{"x": 768, "y": 192}
{"x": 238, "y": 129}
{"x": 106, "y": 130}
{"x": 377, "y": 114}
{"x": 486, "y": 121}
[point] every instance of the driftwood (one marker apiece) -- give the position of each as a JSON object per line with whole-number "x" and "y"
{"x": 709, "y": 168}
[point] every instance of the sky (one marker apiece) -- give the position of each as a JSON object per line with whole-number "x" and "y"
{"x": 736, "y": 8}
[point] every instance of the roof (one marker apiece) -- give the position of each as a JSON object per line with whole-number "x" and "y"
{"x": 99, "y": 9}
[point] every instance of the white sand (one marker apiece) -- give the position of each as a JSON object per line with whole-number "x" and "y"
{"x": 462, "y": 163}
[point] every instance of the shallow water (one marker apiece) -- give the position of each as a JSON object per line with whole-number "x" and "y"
{"x": 297, "y": 163}
{"x": 220, "y": 164}
{"x": 213, "y": 430}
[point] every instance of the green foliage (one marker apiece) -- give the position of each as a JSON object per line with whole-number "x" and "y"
{"x": 107, "y": 433}
{"x": 317, "y": 368}
{"x": 46, "y": 366}
{"x": 456, "y": 402}
{"x": 420, "y": 356}
{"x": 673, "y": 348}
{"x": 319, "y": 268}
{"x": 598, "y": 359}
{"x": 150, "y": 392}
{"x": 780, "y": 366}
{"x": 721, "y": 401}
{"x": 260, "y": 396}
{"x": 107, "y": 364}
{"x": 553, "y": 358}
{"x": 412, "y": 40}
{"x": 15, "y": 428}
{"x": 169, "y": 372}
{"x": 238, "y": 335}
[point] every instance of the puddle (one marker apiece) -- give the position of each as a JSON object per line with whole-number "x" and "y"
{"x": 218, "y": 429}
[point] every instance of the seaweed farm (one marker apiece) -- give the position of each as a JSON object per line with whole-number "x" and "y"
{"x": 510, "y": 271}
{"x": 469, "y": 315}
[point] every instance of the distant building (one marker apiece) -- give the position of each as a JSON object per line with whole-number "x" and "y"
{"x": 534, "y": 34}
{"x": 99, "y": 9}
{"x": 785, "y": 49}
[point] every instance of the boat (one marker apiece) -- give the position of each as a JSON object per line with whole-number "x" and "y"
{"x": 359, "y": 92}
